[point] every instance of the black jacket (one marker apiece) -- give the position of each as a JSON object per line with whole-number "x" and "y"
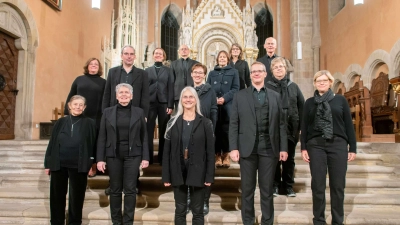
{"x": 243, "y": 125}
{"x": 88, "y": 141}
{"x": 244, "y": 73}
{"x": 161, "y": 85}
{"x": 208, "y": 102}
{"x": 180, "y": 80}
{"x": 294, "y": 113}
{"x": 225, "y": 82}
{"x": 201, "y": 152}
{"x": 107, "y": 141}
{"x": 140, "y": 86}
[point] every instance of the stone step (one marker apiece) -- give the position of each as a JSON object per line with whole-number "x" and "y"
{"x": 362, "y": 215}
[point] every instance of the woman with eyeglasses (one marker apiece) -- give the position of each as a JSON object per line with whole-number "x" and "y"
{"x": 292, "y": 106}
{"x": 188, "y": 162}
{"x": 328, "y": 143}
{"x": 242, "y": 67}
{"x": 224, "y": 80}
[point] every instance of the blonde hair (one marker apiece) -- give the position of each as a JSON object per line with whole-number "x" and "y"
{"x": 180, "y": 108}
{"x": 324, "y": 72}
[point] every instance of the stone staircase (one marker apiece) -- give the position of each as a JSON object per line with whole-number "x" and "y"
{"x": 372, "y": 191}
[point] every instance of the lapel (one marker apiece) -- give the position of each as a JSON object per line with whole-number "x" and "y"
{"x": 162, "y": 69}
{"x": 118, "y": 76}
{"x": 179, "y": 123}
{"x": 112, "y": 119}
{"x": 134, "y": 75}
{"x": 250, "y": 100}
{"x": 196, "y": 122}
{"x": 152, "y": 72}
{"x": 134, "y": 118}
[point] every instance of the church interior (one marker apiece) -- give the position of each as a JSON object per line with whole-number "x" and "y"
{"x": 45, "y": 43}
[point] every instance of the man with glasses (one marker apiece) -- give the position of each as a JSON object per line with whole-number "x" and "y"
{"x": 257, "y": 137}
{"x": 182, "y": 69}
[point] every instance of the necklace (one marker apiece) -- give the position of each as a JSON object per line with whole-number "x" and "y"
{"x": 188, "y": 122}
{"x": 72, "y": 124}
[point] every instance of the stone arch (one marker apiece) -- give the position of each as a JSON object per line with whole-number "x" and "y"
{"x": 338, "y": 79}
{"x": 376, "y": 58}
{"x": 394, "y": 70}
{"x": 21, "y": 24}
{"x": 259, "y": 6}
{"x": 351, "y": 71}
{"x": 175, "y": 10}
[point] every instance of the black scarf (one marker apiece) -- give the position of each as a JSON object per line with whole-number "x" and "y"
{"x": 202, "y": 89}
{"x": 280, "y": 86}
{"x": 323, "y": 116}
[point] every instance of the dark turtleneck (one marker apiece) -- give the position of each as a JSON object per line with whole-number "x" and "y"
{"x": 70, "y": 139}
{"x": 158, "y": 65}
{"x": 123, "y": 121}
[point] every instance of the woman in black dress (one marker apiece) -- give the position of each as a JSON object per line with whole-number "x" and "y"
{"x": 188, "y": 156}
{"x": 161, "y": 92}
{"x": 225, "y": 82}
{"x": 91, "y": 86}
{"x": 69, "y": 156}
{"x": 328, "y": 142}
{"x": 242, "y": 67}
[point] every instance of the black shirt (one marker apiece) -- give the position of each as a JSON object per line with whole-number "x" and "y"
{"x": 259, "y": 95}
{"x": 341, "y": 117}
{"x": 126, "y": 77}
{"x": 69, "y": 140}
{"x": 123, "y": 122}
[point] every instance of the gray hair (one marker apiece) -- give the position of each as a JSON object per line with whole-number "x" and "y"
{"x": 180, "y": 108}
{"x": 127, "y": 46}
{"x": 124, "y": 85}
{"x": 75, "y": 97}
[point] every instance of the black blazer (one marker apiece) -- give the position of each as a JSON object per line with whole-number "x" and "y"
{"x": 179, "y": 75}
{"x": 88, "y": 143}
{"x": 161, "y": 86}
{"x": 140, "y": 86}
{"x": 243, "y": 124}
{"x": 201, "y": 150}
{"x": 244, "y": 73}
{"x": 107, "y": 140}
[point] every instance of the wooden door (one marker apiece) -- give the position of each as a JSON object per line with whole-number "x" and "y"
{"x": 8, "y": 69}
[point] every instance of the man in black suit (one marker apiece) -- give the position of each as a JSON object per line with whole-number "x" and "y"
{"x": 270, "y": 47}
{"x": 182, "y": 69}
{"x": 128, "y": 73}
{"x": 257, "y": 136}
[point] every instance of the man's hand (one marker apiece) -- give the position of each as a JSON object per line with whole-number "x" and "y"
{"x": 144, "y": 163}
{"x": 283, "y": 156}
{"x": 47, "y": 171}
{"x": 207, "y": 184}
{"x": 234, "y": 155}
{"x": 167, "y": 184}
{"x": 101, "y": 166}
{"x": 304, "y": 155}
{"x": 169, "y": 111}
{"x": 351, "y": 156}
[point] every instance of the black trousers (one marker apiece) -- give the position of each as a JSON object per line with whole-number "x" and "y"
{"x": 58, "y": 192}
{"x": 285, "y": 177}
{"x": 196, "y": 204}
{"x": 222, "y": 137}
{"x": 157, "y": 109}
{"x": 328, "y": 155}
{"x": 123, "y": 172}
{"x": 266, "y": 170}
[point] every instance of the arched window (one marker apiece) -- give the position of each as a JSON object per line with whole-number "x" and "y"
{"x": 169, "y": 35}
{"x": 264, "y": 29}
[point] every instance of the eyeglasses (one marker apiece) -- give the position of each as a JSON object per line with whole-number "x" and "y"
{"x": 235, "y": 49}
{"x": 322, "y": 81}
{"x": 191, "y": 97}
{"x": 277, "y": 67}
{"x": 198, "y": 72}
{"x": 257, "y": 71}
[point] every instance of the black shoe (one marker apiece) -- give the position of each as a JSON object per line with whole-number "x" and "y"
{"x": 276, "y": 191}
{"x": 107, "y": 191}
{"x": 290, "y": 192}
{"x": 206, "y": 208}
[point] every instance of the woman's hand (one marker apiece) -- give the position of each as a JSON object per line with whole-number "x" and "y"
{"x": 167, "y": 184}
{"x": 92, "y": 171}
{"x": 207, "y": 184}
{"x": 351, "y": 156}
{"x": 101, "y": 166}
{"x": 144, "y": 163}
{"x": 220, "y": 101}
{"x": 47, "y": 171}
{"x": 304, "y": 155}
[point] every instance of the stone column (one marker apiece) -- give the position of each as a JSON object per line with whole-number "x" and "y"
{"x": 303, "y": 69}
{"x": 316, "y": 38}
{"x": 143, "y": 12}
{"x": 278, "y": 27}
{"x": 156, "y": 32}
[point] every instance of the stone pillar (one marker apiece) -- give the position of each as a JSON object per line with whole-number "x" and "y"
{"x": 278, "y": 27}
{"x": 156, "y": 31}
{"x": 143, "y": 10}
{"x": 316, "y": 38}
{"x": 303, "y": 69}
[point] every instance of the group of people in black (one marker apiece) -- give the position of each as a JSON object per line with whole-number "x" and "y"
{"x": 251, "y": 115}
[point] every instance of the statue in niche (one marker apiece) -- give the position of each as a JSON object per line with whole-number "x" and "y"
{"x": 150, "y": 49}
{"x": 187, "y": 37}
{"x": 255, "y": 39}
